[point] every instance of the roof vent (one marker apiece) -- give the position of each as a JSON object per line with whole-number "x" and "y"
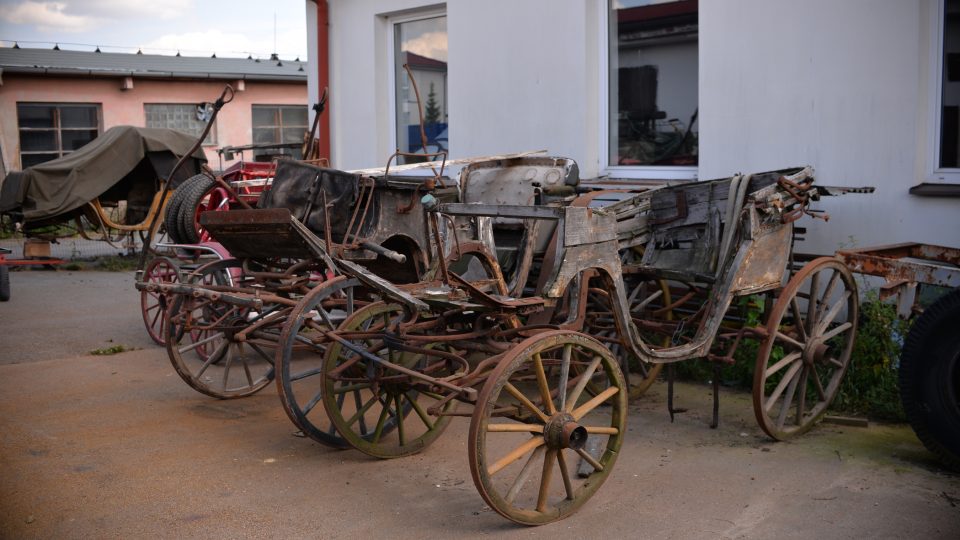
{"x": 297, "y": 59}
{"x": 274, "y": 56}
{"x": 249, "y": 57}
{"x": 214, "y": 55}
{"x": 139, "y": 51}
{"x": 56, "y": 47}
{"x": 178, "y": 53}
{"x": 301, "y": 67}
{"x": 279, "y": 64}
{"x": 16, "y": 45}
{"x": 257, "y": 60}
{"x": 98, "y": 49}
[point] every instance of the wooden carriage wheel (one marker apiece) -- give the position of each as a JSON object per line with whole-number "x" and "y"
{"x": 801, "y": 362}
{"x": 533, "y": 420}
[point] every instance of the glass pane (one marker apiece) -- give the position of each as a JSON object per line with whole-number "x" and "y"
{"x": 35, "y": 116}
{"x": 78, "y": 116}
{"x": 294, "y": 116}
{"x": 653, "y": 82}
{"x": 29, "y": 160}
{"x": 293, "y": 135}
{"x": 950, "y": 112}
{"x": 422, "y": 45}
{"x": 32, "y": 141}
{"x": 73, "y": 139}
{"x": 264, "y": 116}
{"x": 265, "y": 135}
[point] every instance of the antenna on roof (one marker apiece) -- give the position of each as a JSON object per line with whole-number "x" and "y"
{"x": 274, "y": 34}
{"x": 56, "y": 47}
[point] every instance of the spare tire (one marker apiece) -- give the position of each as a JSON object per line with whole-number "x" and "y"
{"x": 198, "y": 197}
{"x": 171, "y": 217}
{"x": 930, "y": 378}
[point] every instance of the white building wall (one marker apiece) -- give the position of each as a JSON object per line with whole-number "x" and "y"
{"x": 521, "y": 76}
{"x": 842, "y": 86}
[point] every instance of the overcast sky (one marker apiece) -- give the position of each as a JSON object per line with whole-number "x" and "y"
{"x": 194, "y": 27}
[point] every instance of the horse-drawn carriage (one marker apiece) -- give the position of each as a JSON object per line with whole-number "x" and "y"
{"x": 525, "y": 307}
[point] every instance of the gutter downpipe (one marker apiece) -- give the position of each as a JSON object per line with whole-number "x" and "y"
{"x": 323, "y": 71}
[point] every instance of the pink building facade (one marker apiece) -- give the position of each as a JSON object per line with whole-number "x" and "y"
{"x": 148, "y": 98}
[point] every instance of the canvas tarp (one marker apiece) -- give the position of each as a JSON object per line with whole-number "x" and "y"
{"x": 126, "y": 158}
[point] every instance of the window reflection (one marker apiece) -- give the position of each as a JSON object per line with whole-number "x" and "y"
{"x": 653, "y": 82}
{"x": 422, "y": 45}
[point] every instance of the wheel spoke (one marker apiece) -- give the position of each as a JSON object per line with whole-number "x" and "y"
{"x": 812, "y": 303}
{"x": 525, "y": 473}
{"x": 787, "y": 400}
{"x": 564, "y": 375}
{"x": 420, "y": 412}
{"x": 400, "y": 429}
{"x": 307, "y": 373}
{"x": 212, "y": 358}
{"x": 802, "y": 398}
{"x": 582, "y": 410}
{"x": 351, "y": 388}
{"x": 791, "y": 373}
{"x": 831, "y": 286}
{"x": 838, "y": 330}
{"x": 542, "y": 384}
{"x": 381, "y": 422}
{"x": 798, "y": 318}
{"x": 590, "y": 459}
{"x": 362, "y": 410}
{"x": 602, "y": 430}
{"x": 229, "y": 364}
{"x": 526, "y": 402}
{"x": 781, "y": 363}
{"x": 515, "y": 428}
{"x": 832, "y": 313}
{"x": 834, "y": 362}
{"x": 789, "y": 340}
{"x": 821, "y": 393}
{"x": 200, "y": 343}
{"x": 565, "y": 474}
{"x": 545, "y": 480}
{"x": 515, "y": 454}
{"x": 581, "y": 384}
{"x": 246, "y": 370}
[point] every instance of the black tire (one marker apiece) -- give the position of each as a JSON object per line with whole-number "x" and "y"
{"x": 171, "y": 217}
{"x": 930, "y": 378}
{"x": 4, "y": 283}
{"x": 193, "y": 193}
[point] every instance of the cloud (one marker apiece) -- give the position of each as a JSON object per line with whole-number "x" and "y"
{"x": 130, "y": 9}
{"x": 228, "y": 43}
{"x": 431, "y": 44}
{"x": 47, "y": 17}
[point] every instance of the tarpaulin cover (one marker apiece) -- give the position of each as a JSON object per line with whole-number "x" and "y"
{"x": 132, "y": 156}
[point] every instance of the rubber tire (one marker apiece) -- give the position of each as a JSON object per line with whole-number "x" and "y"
{"x": 193, "y": 193}
{"x": 930, "y": 378}
{"x": 4, "y": 283}
{"x": 171, "y": 218}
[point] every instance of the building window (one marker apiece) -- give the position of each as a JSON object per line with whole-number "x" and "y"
{"x": 653, "y": 103}
{"x": 421, "y": 44}
{"x": 946, "y": 87}
{"x": 186, "y": 117}
{"x": 51, "y": 130}
{"x": 279, "y": 124}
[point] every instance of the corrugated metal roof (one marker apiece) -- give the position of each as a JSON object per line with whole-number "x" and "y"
{"x": 52, "y": 62}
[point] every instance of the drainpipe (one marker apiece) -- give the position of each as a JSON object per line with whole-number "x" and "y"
{"x": 323, "y": 72}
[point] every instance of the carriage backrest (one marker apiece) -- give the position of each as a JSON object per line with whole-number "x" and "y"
{"x": 297, "y": 186}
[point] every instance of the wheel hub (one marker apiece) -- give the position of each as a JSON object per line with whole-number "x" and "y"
{"x": 815, "y": 352}
{"x": 563, "y": 431}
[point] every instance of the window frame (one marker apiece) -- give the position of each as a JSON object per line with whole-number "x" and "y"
{"x": 212, "y": 136}
{"x": 653, "y": 172}
{"x": 57, "y": 129}
{"x": 278, "y": 110}
{"x": 933, "y": 171}
{"x": 392, "y": 22}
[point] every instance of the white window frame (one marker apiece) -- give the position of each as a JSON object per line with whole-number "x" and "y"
{"x": 392, "y": 22}
{"x": 656, "y": 172}
{"x": 935, "y": 173}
